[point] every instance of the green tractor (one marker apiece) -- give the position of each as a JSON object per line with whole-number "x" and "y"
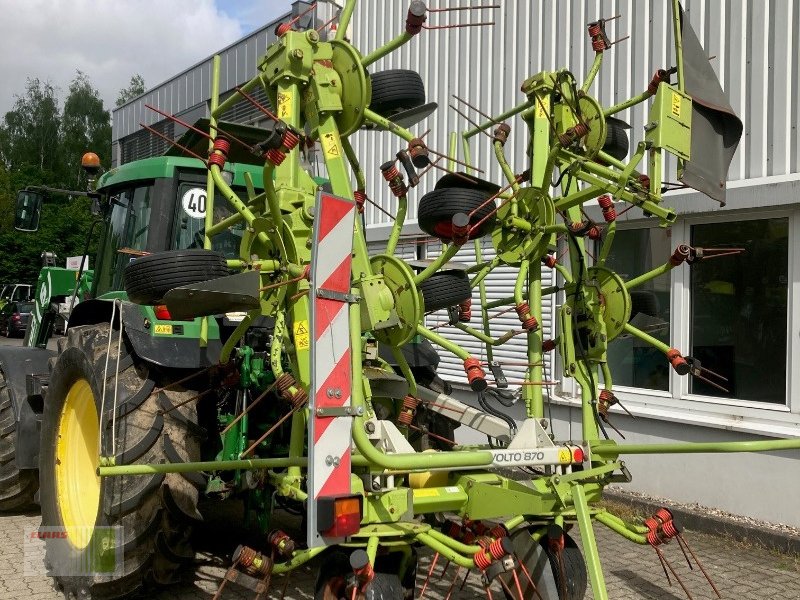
{"x": 145, "y": 206}
{"x": 158, "y": 397}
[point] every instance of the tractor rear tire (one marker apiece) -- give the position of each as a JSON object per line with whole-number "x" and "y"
{"x": 151, "y": 516}
{"x": 17, "y": 487}
{"x": 148, "y": 278}
{"x": 444, "y": 289}
{"x": 437, "y": 209}
{"x": 396, "y": 90}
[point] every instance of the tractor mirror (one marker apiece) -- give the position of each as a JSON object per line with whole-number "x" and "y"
{"x": 29, "y": 210}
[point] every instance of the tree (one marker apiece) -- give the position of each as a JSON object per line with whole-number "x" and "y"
{"x": 29, "y": 136}
{"x": 86, "y": 126}
{"x": 135, "y": 88}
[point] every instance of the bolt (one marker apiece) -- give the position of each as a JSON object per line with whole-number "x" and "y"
{"x": 360, "y": 410}
{"x": 572, "y": 367}
{"x": 147, "y": 323}
{"x": 297, "y": 53}
{"x": 337, "y": 393}
{"x": 329, "y": 392}
{"x": 336, "y": 461}
{"x": 348, "y": 410}
{"x": 391, "y": 510}
{"x": 320, "y": 411}
{"x": 329, "y": 460}
{"x": 369, "y": 427}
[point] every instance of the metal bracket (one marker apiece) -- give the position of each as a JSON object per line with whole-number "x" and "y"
{"x": 340, "y": 296}
{"x": 339, "y": 411}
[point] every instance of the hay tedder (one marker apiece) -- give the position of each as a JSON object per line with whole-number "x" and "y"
{"x": 322, "y": 398}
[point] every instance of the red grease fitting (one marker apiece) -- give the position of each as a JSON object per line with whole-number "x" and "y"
{"x": 529, "y": 322}
{"x": 607, "y": 206}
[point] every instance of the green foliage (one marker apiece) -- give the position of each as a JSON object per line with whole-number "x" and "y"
{"x": 135, "y": 88}
{"x": 41, "y": 143}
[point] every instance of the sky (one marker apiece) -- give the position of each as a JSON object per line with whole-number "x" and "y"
{"x": 111, "y": 40}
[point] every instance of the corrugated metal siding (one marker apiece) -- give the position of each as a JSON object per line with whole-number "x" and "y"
{"x": 755, "y": 44}
{"x": 500, "y": 284}
{"x": 193, "y": 86}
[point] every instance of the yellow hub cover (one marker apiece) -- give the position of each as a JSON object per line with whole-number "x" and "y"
{"x": 77, "y": 482}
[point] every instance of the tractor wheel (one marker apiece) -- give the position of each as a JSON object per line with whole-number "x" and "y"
{"x": 17, "y": 488}
{"x": 148, "y": 278}
{"x": 396, "y": 90}
{"x": 122, "y": 533}
{"x": 445, "y": 289}
{"x": 437, "y": 209}
{"x": 543, "y": 567}
{"x": 334, "y": 577}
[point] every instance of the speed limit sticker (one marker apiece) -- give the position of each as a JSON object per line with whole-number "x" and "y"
{"x": 194, "y": 202}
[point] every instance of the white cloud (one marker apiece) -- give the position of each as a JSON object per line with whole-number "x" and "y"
{"x": 109, "y": 41}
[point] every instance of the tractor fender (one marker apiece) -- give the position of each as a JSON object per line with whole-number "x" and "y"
{"x": 166, "y": 351}
{"x": 26, "y": 371}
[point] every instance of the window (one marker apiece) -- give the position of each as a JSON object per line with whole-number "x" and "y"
{"x": 739, "y": 309}
{"x": 635, "y": 363}
{"x": 190, "y": 219}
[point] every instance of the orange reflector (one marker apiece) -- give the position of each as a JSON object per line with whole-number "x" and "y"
{"x": 577, "y": 455}
{"x": 339, "y": 517}
{"x": 162, "y": 314}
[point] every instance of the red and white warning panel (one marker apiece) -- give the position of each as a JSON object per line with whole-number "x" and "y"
{"x": 333, "y": 512}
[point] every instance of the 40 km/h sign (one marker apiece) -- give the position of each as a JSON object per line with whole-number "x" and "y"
{"x": 193, "y": 202}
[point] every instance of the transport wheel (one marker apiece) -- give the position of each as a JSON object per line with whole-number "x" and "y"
{"x": 396, "y": 90}
{"x": 17, "y": 487}
{"x": 444, "y": 289}
{"x": 617, "y": 142}
{"x": 336, "y": 575}
{"x": 543, "y": 566}
{"x": 115, "y": 535}
{"x": 437, "y": 209}
{"x": 148, "y": 278}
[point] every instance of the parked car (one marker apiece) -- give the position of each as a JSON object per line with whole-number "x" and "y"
{"x": 14, "y": 318}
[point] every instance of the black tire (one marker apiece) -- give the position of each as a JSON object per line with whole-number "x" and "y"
{"x": 17, "y": 487}
{"x": 437, "y": 209}
{"x": 444, "y": 289}
{"x": 617, "y": 142}
{"x": 574, "y": 573}
{"x": 542, "y": 565}
{"x": 333, "y": 576}
{"x": 148, "y": 278}
{"x": 155, "y": 512}
{"x": 396, "y": 90}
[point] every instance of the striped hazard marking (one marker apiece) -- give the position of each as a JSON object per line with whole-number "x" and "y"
{"x": 331, "y": 264}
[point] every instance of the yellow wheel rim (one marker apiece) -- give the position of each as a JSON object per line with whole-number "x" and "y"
{"x": 77, "y": 482}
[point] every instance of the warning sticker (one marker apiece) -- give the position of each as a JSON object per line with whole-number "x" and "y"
{"x": 676, "y": 104}
{"x": 163, "y": 330}
{"x": 542, "y": 107}
{"x": 564, "y": 456}
{"x": 330, "y": 145}
{"x": 284, "y": 105}
{"x": 302, "y": 341}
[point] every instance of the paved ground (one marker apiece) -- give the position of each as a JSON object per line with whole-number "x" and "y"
{"x": 631, "y": 571}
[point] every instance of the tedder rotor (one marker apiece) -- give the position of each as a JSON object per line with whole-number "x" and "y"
{"x": 312, "y": 401}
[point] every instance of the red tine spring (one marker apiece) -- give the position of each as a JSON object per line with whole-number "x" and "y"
{"x": 282, "y": 543}
{"x": 663, "y": 515}
{"x": 472, "y": 366}
{"x": 598, "y": 44}
{"x": 548, "y": 345}
{"x": 550, "y": 260}
{"x": 453, "y": 530}
{"x": 290, "y": 140}
{"x": 498, "y": 531}
{"x": 482, "y": 560}
{"x": 593, "y": 233}
{"x": 497, "y": 549}
{"x": 644, "y": 181}
{"x": 465, "y": 311}
{"x": 607, "y": 206}
{"x": 529, "y": 322}
{"x": 595, "y": 29}
{"x": 681, "y": 254}
{"x": 283, "y": 29}
{"x": 408, "y": 410}
{"x": 478, "y": 527}
{"x": 391, "y": 172}
{"x": 607, "y": 396}
{"x": 276, "y": 157}
{"x": 360, "y": 197}
{"x": 581, "y": 129}
{"x": 669, "y": 529}
{"x": 652, "y": 535}
{"x": 219, "y": 152}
